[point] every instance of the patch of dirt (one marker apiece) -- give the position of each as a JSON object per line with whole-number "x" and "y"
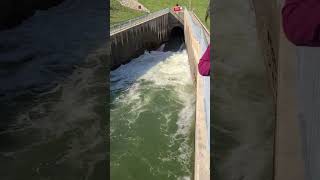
{"x": 133, "y": 4}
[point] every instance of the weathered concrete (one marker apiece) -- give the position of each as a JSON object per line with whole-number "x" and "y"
{"x": 132, "y": 40}
{"x": 281, "y": 63}
{"x": 243, "y": 108}
{"x": 202, "y": 135}
{"x": 288, "y": 149}
{"x": 175, "y": 21}
{"x": 298, "y": 112}
{"x": 308, "y": 95}
{"x": 288, "y": 155}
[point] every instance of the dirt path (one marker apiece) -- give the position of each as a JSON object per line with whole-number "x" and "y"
{"x": 133, "y": 4}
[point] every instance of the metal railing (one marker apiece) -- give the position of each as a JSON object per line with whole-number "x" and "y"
{"x": 206, "y": 31}
{"x": 136, "y": 21}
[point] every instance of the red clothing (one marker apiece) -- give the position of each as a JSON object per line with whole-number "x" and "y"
{"x": 301, "y": 22}
{"x": 176, "y": 9}
{"x": 204, "y": 63}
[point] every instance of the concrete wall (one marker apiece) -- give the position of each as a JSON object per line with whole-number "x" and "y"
{"x": 281, "y": 63}
{"x": 288, "y": 136}
{"x": 308, "y": 98}
{"x": 288, "y": 149}
{"x": 173, "y": 22}
{"x": 132, "y": 42}
{"x": 195, "y": 49}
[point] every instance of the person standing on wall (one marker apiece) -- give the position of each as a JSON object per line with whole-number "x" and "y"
{"x": 301, "y": 25}
{"x": 177, "y": 8}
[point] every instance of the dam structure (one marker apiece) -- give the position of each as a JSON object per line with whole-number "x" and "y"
{"x": 160, "y": 104}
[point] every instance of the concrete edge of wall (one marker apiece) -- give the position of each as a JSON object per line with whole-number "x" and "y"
{"x": 288, "y": 151}
{"x": 202, "y": 147}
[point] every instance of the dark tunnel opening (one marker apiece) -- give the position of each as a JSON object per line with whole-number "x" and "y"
{"x": 176, "y": 39}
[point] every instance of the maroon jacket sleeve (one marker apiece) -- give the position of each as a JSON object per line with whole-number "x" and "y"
{"x": 204, "y": 63}
{"x": 301, "y": 22}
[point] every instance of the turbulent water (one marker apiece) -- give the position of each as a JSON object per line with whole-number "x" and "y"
{"x": 53, "y": 93}
{"x": 152, "y": 116}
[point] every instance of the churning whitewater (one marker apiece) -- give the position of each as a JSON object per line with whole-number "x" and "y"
{"x": 152, "y": 117}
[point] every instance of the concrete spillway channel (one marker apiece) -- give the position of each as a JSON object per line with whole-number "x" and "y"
{"x": 160, "y": 105}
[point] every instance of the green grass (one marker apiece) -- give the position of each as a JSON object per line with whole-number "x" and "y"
{"x": 199, "y": 7}
{"x": 119, "y": 13}
{"x": 155, "y": 5}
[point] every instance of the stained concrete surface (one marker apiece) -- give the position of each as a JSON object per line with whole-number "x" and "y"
{"x": 288, "y": 155}
{"x": 242, "y": 107}
{"x": 202, "y": 151}
{"x": 135, "y": 39}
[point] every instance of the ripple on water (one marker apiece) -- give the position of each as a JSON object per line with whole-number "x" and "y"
{"x": 151, "y": 117}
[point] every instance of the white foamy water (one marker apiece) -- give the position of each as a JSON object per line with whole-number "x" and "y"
{"x": 163, "y": 69}
{"x": 138, "y": 83}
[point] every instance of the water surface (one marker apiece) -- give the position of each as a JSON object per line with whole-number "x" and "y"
{"x": 53, "y": 94}
{"x": 152, "y": 115}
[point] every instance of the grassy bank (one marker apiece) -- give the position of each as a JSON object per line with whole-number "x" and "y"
{"x": 119, "y": 13}
{"x": 199, "y": 7}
